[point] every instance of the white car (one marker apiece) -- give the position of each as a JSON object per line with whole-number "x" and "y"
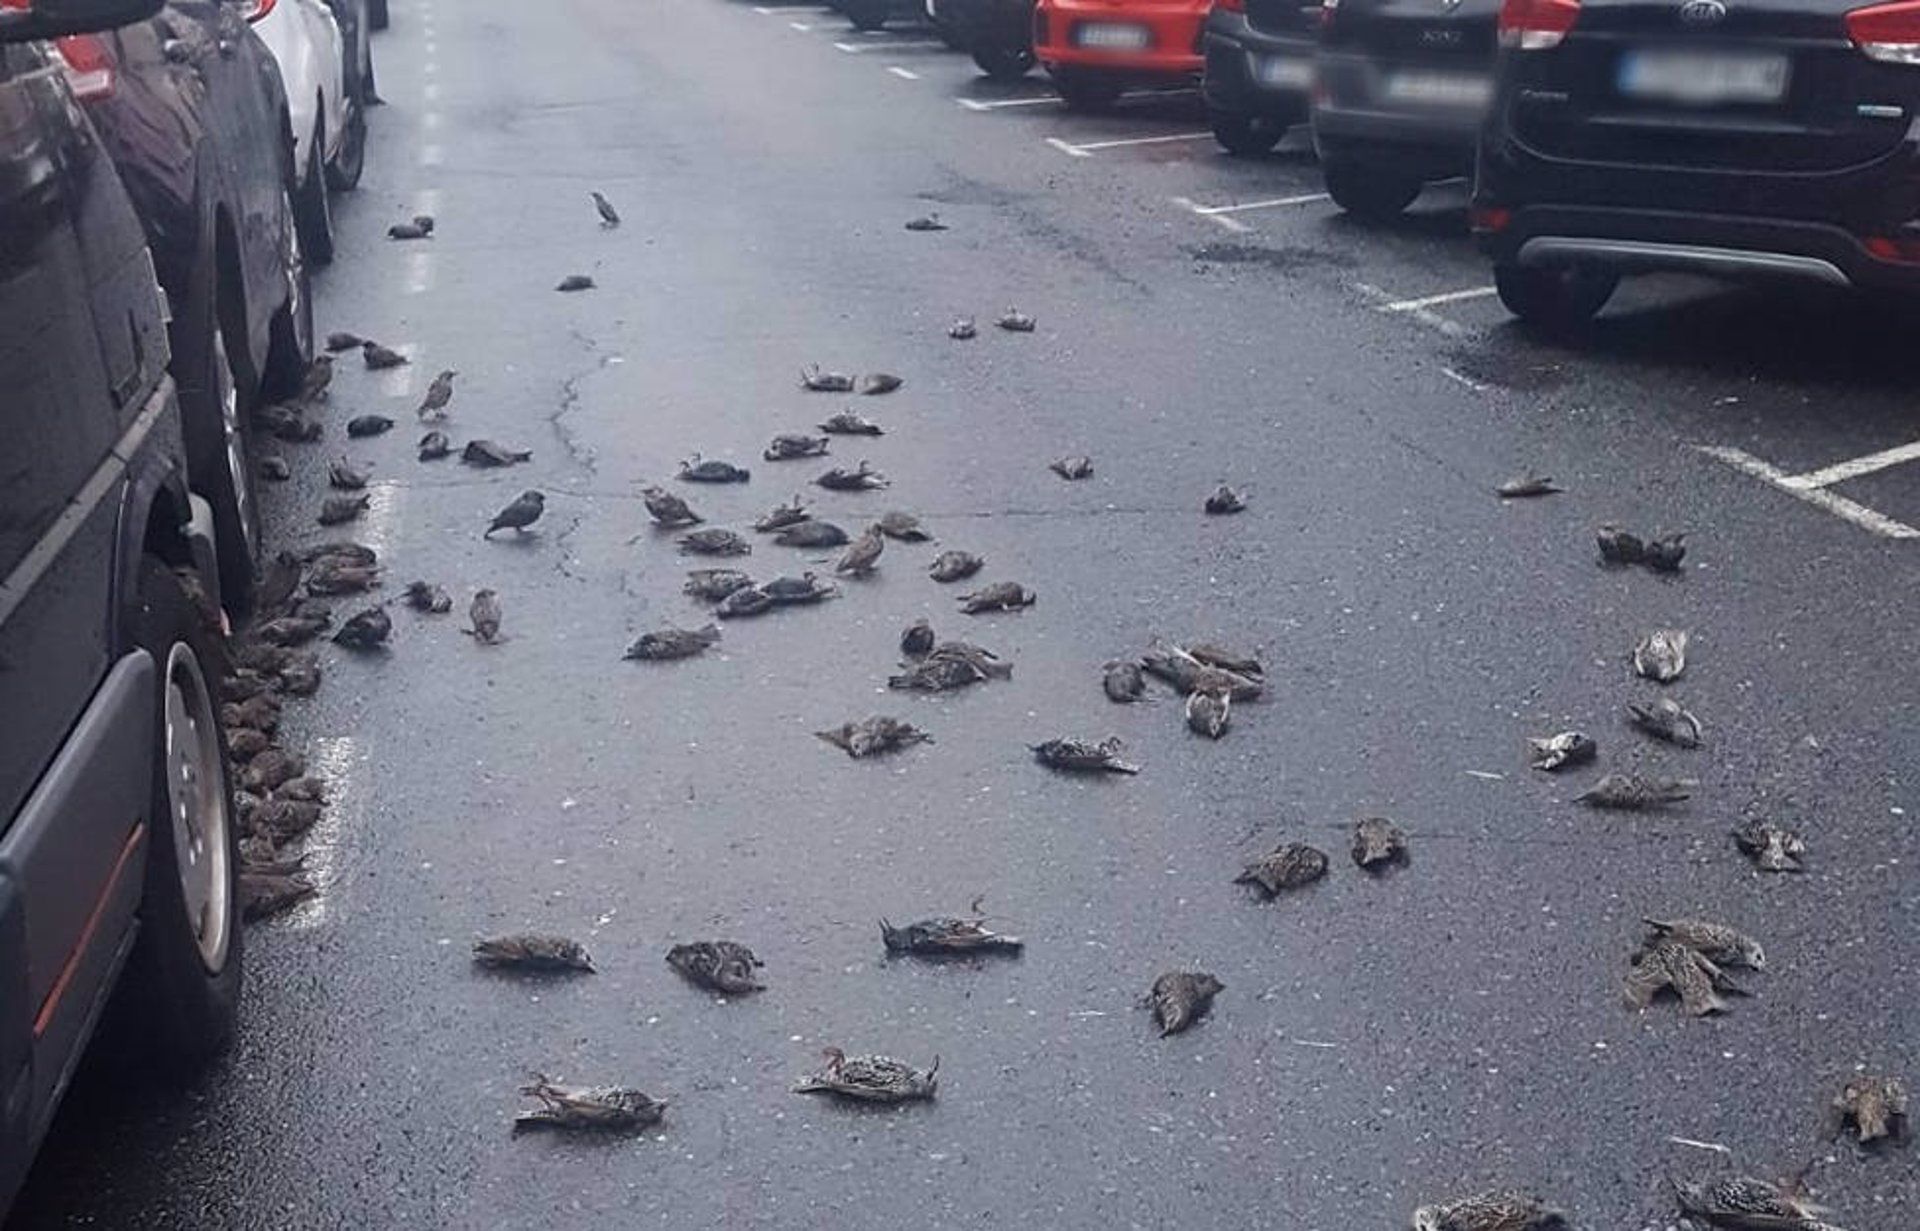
{"x": 328, "y": 115}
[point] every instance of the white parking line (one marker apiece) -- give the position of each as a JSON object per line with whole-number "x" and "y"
{"x": 1841, "y": 507}
{"x": 1308, "y": 198}
{"x": 1430, "y": 301}
{"x": 1840, "y": 472}
{"x": 994, "y": 104}
{"x": 1122, "y": 142}
{"x": 1413, "y": 310}
{"x": 854, "y": 49}
{"x": 905, "y": 74}
{"x": 801, "y": 26}
{"x": 1464, "y": 379}
{"x": 1214, "y": 216}
{"x": 1068, "y": 148}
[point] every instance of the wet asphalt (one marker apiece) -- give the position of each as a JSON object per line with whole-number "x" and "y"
{"x": 1380, "y": 1042}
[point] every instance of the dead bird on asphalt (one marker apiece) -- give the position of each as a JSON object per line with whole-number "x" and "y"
{"x": 671, "y": 643}
{"x": 489, "y": 455}
{"x": 863, "y": 554}
{"x": 283, "y": 820}
{"x": 344, "y": 476}
{"x": 1072, "y": 467}
{"x": 1727, "y": 945}
{"x": 714, "y": 542}
{"x": 365, "y": 630}
{"x": 279, "y": 579}
{"x": 609, "y": 216}
{"x": 530, "y": 952}
{"x": 1619, "y": 546}
{"x": 789, "y": 445}
{"x": 1291, "y": 865}
{"x": 1208, "y": 713}
{"x": 330, "y": 577}
{"x": 667, "y": 509}
{"x": 864, "y": 479}
{"x": 780, "y": 516}
{"x": 1013, "y": 320}
{"x": 1490, "y": 1211}
{"x": 1559, "y": 751}
{"x": 434, "y": 446}
{"x": 710, "y": 585}
{"x": 300, "y": 678}
{"x": 746, "y": 601}
{"x": 1223, "y": 500}
{"x": 338, "y": 510}
{"x": 342, "y": 340}
{"x": 1242, "y": 664}
{"x": 694, "y": 470}
{"x": 592, "y": 1109}
{"x": 954, "y": 566}
{"x": 379, "y": 358}
{"x": 358, "y": 554}
{"x": 941, "y": 936}
{"x": 261, "y": 713}
{"x": 1122, "y": 681}
{"x": 1875, "y": 1106}
{"x": 1632, "y": 792}
{"x": 870, "y": 736}
{"x": 292, "y": 630}
{"x": 270, "y": 769}
{"x": 1377, "y": 843}
{"x": 812, "y": 534}
{"x": 306, "y": 787}
{"x": 1748, "y": 1204}
{"x": 244, "y": 744}
{"x": 798, "y": 591}
{"x": 871, "y": 1079}
{"x": 266, "y": 892}
{"x": 937, "y": 675}
{"x": 1526, "y": 485}
{"x": 1772, "y": 848}
{"x": 1692, "y": 976}
{"x": 273, "y": 467}
{"x": 1666, "y": 719}
{"x": 287, "y": 423}
{"x": 903, "y": 526}
{"x": 517, "y": 516}
{"x": 574, "y": 282}
{"x": 816, "y": 380}
{"x": 917, "y": 641}
{"x": 1661, "y": 655}
{"x": 847, "y": 423}
{"x": 1084, "y": 756}
{"x": 483, "y": 616}
{"x": 963, "y": 329}
{"x": 439, "y": 394}
{"x": 873, "y": 384}
{"x": 982, "y": 660}
{"x": 1000, "y": 596}
{"x": 1180, "y": 998}
{"x": 926, "y": 222}
{"x": 1664, "y": 554}
{"x": 1189, "y": 675}
{"x": 410, "y": 230}
{"x": 718, "y": 965}
{"x": 314, "y": 382}
{"x": 362, "y": 426}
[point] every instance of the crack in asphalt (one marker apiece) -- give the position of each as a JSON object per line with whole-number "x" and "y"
{"x": 570, "y": 401}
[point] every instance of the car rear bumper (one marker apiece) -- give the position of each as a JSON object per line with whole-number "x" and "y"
{"x": 1351, "y": 120}
{"x": 1172, "y": 50}
{"x": 1255, "y": 74}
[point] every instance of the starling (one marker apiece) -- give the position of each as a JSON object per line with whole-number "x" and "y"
{"x": 362, "y": 426}
{"x": 1749, "y": 1204}
{"x": 1694, "y": 978}
{"x": 597, "y": 1109}
{"x": 670, "y": 643}
{"x": 1666, "y": 719}
{"x": 275, "y": 468}
{"x": 286, "y": 423}
{"x": 812, "y": 534}
{"x": 1771, "y": 848}
{"x": 668, "y": 509}
{"x": 379, "y": 358}
{"x": 847, "y": 423}
{"x": 313, "y": 384}
{"x": 1179, "y": 998}
{"x": 609, "y": 216}
{"x": 489, "y": 455}
{"x": 344, "y": 476}
{"x": 283, "y": 820}
{"x": 1084, "y": 756}
{"x": 780, "y": 516}
{"x": 1189, "y": 675}
{"x": 574, "y": 282}
{"x": 865, "y": 479}
{"x": 1122, "y": 681}
{"x": 863, "y": 554}
{"x": 330, "y": 576}
{"x": 1875, "y": 1106}
{"x": 1526, "y": 485}
{"x": 1291, "y": 865}
{"x": 1663, "y": 555}
{"x": 337, "y": 342}
{"x": 986, "y": 662}
{"x": 1378, "y": 843}
{"x": 292, "y": 630}
{"x": 424, "y": 222}
{"x": 338, "y": 510}
{"x": 278, "y": 582}
{"x": 541, "y": 953}
{"x": 873, "y": 384}
{"x": 1631, "y": 792}
{"x": 797, "y": 591}
{"x": 903, "y": 526}
{"x": 917, "y": 641}
{"x": 926, "y": 222}
{"x": 517, "y": 516}
{"x": 714, "y": 542}
{"x": 788, "y": 445}
{"x": 954, "y": 566}
{"x": 815, "y": 380}
{"x": 427, "y": 597}
{"x": 408, "y": 230}
{"x": 265, "y": 893}
{"x": 945, "y": 937}
{"x": 938, "y": 675}
{"x": 871, "y": 1079}
{"x": 746, "y": 601}
{"x": 1238, "y": 662}
{"x": 365, "y": 630}
{"x": 870, "y": 736}
{"x": 434, "y": 446}
{"x": 1209, "y": 712}
{"x": 261, "y": 713}
{"x": 1015, "y": 321}
{"x": 1661, "y": 655}
{"x": 1490, "y": 1211}
{"x": 962, "y": 330}
{"x": 300, "y": 678}
{"x": 1224, "y": 499}
{"x": 1726, "y": 945}
{"x": 710, "y": 585}
{"x": 1072, "y": 467}
{"x": 720, "y": 965}
{"x": 1562, "y": 750}
{"x": 483, "y": 616}
{"x": 243, "y": 744}
{"x": 439, "y": 394}
{"x": 1000, "y": 596}
{"x": 693, "y": 470}
{"x": 1619, "y": 546}
{"x": 270, "y": 769}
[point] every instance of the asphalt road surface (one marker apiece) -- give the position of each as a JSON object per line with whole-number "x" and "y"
{"x": 1379, "y": 1042}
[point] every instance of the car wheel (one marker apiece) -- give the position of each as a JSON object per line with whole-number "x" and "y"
{"x": 183, "y": 978}
{"x": 217, "y": 463}
{"x": 1244, "y": 136}
{"x": 1087, "y": 93}
{"x": 868, "y": 14}
{"x": 1369, "y": 192}
{"x": 1554, "y": 298}
{"x": 343, "y": 173}
{"x": 290, "y": 336}
{"x": 946, "y": 33}
{"x": 312, "y": 211}
{"x": 377, "y": 14}
{"x": 1004, "y": 62}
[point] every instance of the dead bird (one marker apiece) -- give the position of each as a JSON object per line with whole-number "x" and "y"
{"x": 710, "y": 585}
{"x": 903, "y": 526}
{"x": 864, "y": 479}
{"x": 1072, "y": 467}
{"x": 1559, "y": 751}
{"x": 593, "y": 1109}
{"x": 1691, "y": 975}
{"x": 261, "y": 713}
{"x": 1015, "y": 321}
{"x": 1378, "y": 842}
{"x": 1748, "y": 1204}
{"x": 1242, "y": 664}
{"x": 275, "y": 468}
{"x": 1122, "y": 680}
{"x": 310, "y": 789}
{"x": 811, "y": 533}
{"x": 1000, "y": 596}
{"x": 265, "y": 893}
{"x": 439, "y": 394}
{"x": 797, "y": 591}
{"x": 1084, "y": 756}
{"x": 409, "y": 230}
{"x": 1664, "y": 554}
{"x": 292, "y": 630}
{"x": 1875, "y": 1106}
{"x": 1619, "y": 546}
{"x": 270, "y": 769}
{"x": 917, "y": 641}
{"x": 362, "y": 426}
{"x": 609, "y": 216}
{"x": 937, "y": 675}
{"x": 863, "y": 554}
{"x": 1631, "y": 792}
{"x": 530, "y": 952}
{"x": 1490, "y": 1211}
{"x": 1526, "y": 485}
{"x": 667, "y": 509}
{"x": 287, "y": 423}
{"x": 283, "y": 820}
{"x": 941, "y": 936}
{"x": 338, "y": 510}
{"x": 926, "y": 222}
{"x": 1666, "y": 719}
{"x": 873, "y": 384}
{"x": 365, "y": 630}
{"x": 278, "y": 580}
{"x": 483, "y": 616}
{"x": 1661, "y": 655}
{"x": 780, "y": 516}
{"x": 714, "y": 542}
{"x": 954, "y": 566}
{"x": 379, "y": 358}
{"x": 314, "y": 381}
{"x": 244, "y": 744}
{"x": 985, "y": 661}
{"x": 694, "y": 470}
{"x": 870, "y": 736}
{"x": 847, "y": 423}
{"x": 1189, "y": 675}
{"x": 788, "y": 446}
{"x": 424, "y": 222}
{"x": 525, "y": 509}
{"x": 574, "y": 282}
{"x": 342, "y": 340}
{"x": 1726, "y": 945}
{"x": 300, "y": 678}
{"x": 1180, "y": 998}
{"x": 871, "y": 1079}
{"x": 345, "y": 476}
{"x": 1771, "y": 848}
{"x": 346, "y": 552}
{"x": 1223, "y": 500}
{"x": 434, "y": 446}
{"x": 816, "y": 380}
{"x": 332, "y": 577}
{"x": 962, "y": 329}
{"x": 670, "y": 643}
{"x": 491, "y": 455}
{"x": 1291, "y": 865}
{"x": 719, "y": 965}
{"x": 746, "y": 601}
{"x": 1208, "y": 713}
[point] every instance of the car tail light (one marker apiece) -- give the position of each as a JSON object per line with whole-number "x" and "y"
{"x": 1900, "y": 249}
{"x": 1536, "y": 25}
{"x": 88, "y": 64}
{"x": 254, "y": 10}
{"x": 1489, "y": 219}
{"x": 1889, "y": 32}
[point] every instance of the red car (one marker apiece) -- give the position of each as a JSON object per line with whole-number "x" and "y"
{"x": 1094, "y": 49}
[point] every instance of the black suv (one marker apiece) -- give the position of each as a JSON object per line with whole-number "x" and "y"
{"x": 998, "y": 34}
{"x": 117, "y": 856}
{"x": 1728, "y": 137}
{"x": 1401, "y": 87}
{"x": 1259, "y": 73}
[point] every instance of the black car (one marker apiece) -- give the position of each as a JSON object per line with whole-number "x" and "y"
{"x": 1259, "y": 76}
{"x": 1723, "y": 137}
{"x": 874, "y": 14}
{"x": 117, "y": 854}
{"x": 189, "y": 104}
{"x": 998, "y": 34}
{"x": 1401, "y": 88}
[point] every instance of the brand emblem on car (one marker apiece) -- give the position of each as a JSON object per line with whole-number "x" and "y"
{"x": 1702, "y": 12}
{"x": 1442, "y": 38}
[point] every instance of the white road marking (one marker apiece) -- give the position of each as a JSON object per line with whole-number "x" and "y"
{"x": 419, "y": 271}
{"x": 994, "y": 104}
{"x": 1121, "y": 142}
{"x": 432, "y": 155}
{"x": 1464, "y": 379}
{"x": 1308, "y": 198}
{"x": 1232, "y": 224}
{"x": 430, "y": 91}
{"x": 1840, "y": 472}
{"x": 430, "y": 119}
{"x": 1068, "y": 148}
{"x": 1847, "y": 510}
{"x": 398, "y": 382}
{"x": 801, "y": 26}
{"x": 1430, "y": 301}
{"x": 1412, "y": 311}
{"x": 332, "y": 759}
{"x": 904, "y": 45}
{"x": 906, "y": 74}
{"x": 764, "y": 11}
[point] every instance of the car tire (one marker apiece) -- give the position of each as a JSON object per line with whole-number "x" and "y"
{"x": 312, "y": 211}
{"x": 1554, "y": 299}
{"x": 1087, "y": 93}
{"x": 377, "y": 17}
{"x": 1242, "y": 135}
{"x": 868, "y": 14}
{"x": 183, "y": 978}
{"x": 344, "y": 171}
{"x": 1367, "y": 192}
{"x": 1004, "y": 61}
{"x": 215, "y": 415}
{"x": 290, "y": 334}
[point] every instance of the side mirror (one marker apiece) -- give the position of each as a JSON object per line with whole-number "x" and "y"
{"x": 23, "y": 21}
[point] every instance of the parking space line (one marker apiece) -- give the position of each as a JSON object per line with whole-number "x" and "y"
{"x": 1464, "y": 379}
{"x": 1238, "y": 207}
{"x": 1068, "y": 148}
{"x": 1840, "y": 472}
{"x": 903, "y": 73}
{"x": 1213, "y": 215}
{"x": 1431, "y": 301}
{"x": 1852, "y": 511}
{"x": 1413, "y": 310}
{"x": 801, "y": 26}
{"x": 1122, "y": 142}
{"x": 994, "y": 104}
{"x": 854, "y": 49}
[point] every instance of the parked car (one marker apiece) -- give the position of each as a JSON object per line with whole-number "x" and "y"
{"x": 998, "y": 34}
{"x": 117, "y": 855}
{"x": 1401, "y": 87}
{"x": 329, "y": 128}
{"x": 190, "y": 108}
{"x": 1258, "y": 79}
{"x": 1740, "y": 141}
{"x": 874, "y": 14}
{"x": 355, "y": 20}
{"x": 377, "y": 15}
{"x": 1096, "y": 49}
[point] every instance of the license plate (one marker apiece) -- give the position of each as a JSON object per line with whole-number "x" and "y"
{"x": 1704, "y": 78}
{"x": 1285, "y": 72}
{"x": 1454, "y": 91}
{"x": 1112, "y": 36}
